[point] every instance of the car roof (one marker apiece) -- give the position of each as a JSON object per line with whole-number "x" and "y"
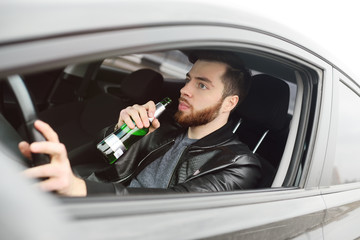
{"x": 39, "y": 19}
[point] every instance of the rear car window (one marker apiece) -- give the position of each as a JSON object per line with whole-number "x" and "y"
{"x": 347, "y": 164}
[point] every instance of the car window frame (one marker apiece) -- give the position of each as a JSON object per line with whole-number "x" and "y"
{"x": 249, "y": 39}
{"x": 107, "y": 211}
{"x": 338, "y": 78}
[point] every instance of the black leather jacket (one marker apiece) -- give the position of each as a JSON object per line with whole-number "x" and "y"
{"x": 230, "y": 164}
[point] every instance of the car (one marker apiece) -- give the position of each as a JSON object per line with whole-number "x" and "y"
{"x": 76, "y": 64}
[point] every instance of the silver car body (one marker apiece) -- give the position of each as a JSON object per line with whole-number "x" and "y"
{"x": 40, "y": 35}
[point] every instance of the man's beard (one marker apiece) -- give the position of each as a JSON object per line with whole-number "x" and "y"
{"x": 197, "y": 118}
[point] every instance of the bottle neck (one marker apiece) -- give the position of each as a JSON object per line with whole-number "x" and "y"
{"x": 160, "y": 108}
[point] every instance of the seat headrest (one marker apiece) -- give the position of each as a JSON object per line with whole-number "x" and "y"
{"x": 267, "y": 102}
{"x": 142, "y": 85}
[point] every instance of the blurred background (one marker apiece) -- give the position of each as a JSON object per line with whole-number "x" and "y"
{"x": 333, "y": 24}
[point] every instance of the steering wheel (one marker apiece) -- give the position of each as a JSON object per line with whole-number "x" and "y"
{"x": 29, "y": 114}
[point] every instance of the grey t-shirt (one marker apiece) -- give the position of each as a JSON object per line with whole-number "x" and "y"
{"x": 158, "y": 173}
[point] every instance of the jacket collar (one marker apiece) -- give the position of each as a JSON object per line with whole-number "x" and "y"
{"x": 219, "y": 136}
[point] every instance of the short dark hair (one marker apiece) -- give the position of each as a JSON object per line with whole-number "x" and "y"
{"x": 236, "y": 79}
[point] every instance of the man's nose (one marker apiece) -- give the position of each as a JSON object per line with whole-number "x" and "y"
{"x": 186, "y": 90}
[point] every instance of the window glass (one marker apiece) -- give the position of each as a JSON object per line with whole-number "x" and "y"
{"x": 347, "y": 156}
{"x": 171, "y": 64}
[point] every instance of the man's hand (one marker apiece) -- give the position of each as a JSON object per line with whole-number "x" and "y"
{"x": 139, "y": 114}
{"x": 58, "y": 173}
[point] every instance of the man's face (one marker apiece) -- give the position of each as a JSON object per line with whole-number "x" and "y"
{"x": 202, "y": 96}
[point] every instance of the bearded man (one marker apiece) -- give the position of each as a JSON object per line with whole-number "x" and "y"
{"x": 197, "y": 153}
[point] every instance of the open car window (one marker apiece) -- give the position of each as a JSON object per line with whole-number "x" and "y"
{"x": 81, "y": 99}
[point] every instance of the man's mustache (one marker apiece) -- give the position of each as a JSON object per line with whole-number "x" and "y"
{"x": 181, "y": 99}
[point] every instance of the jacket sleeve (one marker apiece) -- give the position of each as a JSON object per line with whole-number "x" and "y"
{"x": 233, "y": 177}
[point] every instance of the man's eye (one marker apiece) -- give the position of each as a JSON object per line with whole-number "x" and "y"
{"x": 202, "y": 86}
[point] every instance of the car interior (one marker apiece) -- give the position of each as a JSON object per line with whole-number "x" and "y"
{"x": 79, "y": 100}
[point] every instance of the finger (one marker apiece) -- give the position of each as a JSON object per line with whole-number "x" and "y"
{"x": 144, "y": 117}
{"x": 64, "y": 186}
{"x": 139, "y": 115}
{"x": 48, "y": 185}
{"x": 46, "y": 130}
{"x": 135, "y": 115}
{"x": 155, "y": 124}
{"x": 42, "y": 171}
{"x": 125, "y": 118}
{"x": 24, "y": 148}
{"x": 146, "y": 111}
{"x": 56, "y": 150}
{"x": 120, "y": 121}
{"x": 52, "y": 184}
{"x": 151, "y": 107}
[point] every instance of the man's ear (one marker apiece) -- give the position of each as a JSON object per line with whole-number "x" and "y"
{"x": 230, "y": 103}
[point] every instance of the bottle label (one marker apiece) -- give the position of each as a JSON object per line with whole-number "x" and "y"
{"x": 116, "y": 145}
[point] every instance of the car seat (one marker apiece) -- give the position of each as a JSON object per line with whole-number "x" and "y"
{"x": 265, "y": 122}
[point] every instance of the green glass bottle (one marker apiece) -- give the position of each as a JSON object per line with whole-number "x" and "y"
{"x": 114, "y": 145}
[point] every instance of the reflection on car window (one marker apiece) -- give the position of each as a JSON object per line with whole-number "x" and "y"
{"x": 171, "y": 64}
{"x": 347, "y": 164}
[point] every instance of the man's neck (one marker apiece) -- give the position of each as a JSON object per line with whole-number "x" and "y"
{"x": 204, "y": 130}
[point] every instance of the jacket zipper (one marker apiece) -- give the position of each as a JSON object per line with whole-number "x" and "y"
{"x": 208, "y": 171}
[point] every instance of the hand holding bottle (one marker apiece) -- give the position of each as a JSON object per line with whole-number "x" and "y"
{"x": 134, "y": 123}
{"x": 139, "y": 115}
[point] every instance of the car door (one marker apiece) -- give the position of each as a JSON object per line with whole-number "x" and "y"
{"x": 340, "y": 181}
{"x": 292, "y": 207}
